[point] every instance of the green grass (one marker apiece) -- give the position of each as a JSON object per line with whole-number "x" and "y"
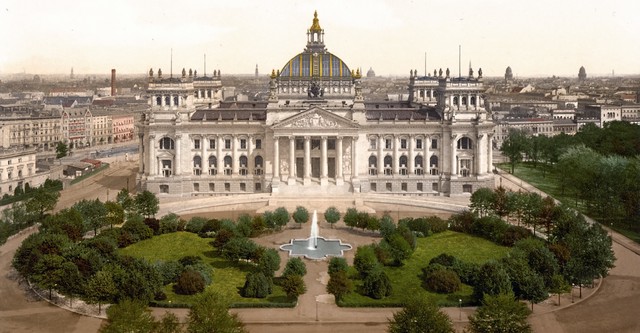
{"x": 228, "y": 277}
{"x": 406, "y": 279}
{"x": 548, "y": 183}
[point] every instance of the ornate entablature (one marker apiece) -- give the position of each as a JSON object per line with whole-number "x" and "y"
{"x": 316, "y": 119}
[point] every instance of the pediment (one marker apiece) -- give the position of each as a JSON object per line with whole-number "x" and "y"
{"x": 315, "y": 118}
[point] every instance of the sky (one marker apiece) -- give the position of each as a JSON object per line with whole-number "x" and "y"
{"x": 535, "y": 38}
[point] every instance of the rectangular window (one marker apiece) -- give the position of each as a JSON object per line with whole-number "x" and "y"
{"x": 403, "y": 143}
{"x": 212, "y": 143}
{"x": 374, "y": 187}
{"x": 196, "y": 187}
{"x": 419, "y": 187}
{"x": 212, "y": 187}
{"x": 418, "y": 143}
{"x": 467, "y": 188}
{"x": 434, "y": 143}
{"x": 372, "y": 143}
{"x": 389, "y": 187}
{"x": 164, "y": 188}
{"x": 227, "y": 143}
{"x": 196, "y": 143}
{"x": 403, "y": 186}
{"x": 258, "y": 187}
{"x": 243, "y": 187}
{"x": 227, "y": 187}
{"x": 387, "y": 144}
{"x": 258, "y": 144}
{"x": 243, "y": 143}
{"x": 435, "y": 187}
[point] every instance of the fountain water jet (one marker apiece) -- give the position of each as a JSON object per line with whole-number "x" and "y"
{"x": 313, "y": 237}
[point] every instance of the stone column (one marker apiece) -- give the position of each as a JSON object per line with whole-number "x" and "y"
{"x": 339, "y": 176}
{"x": 178, "y": 157}
{"x": 250, "y": 158}
{"x": 307, "y": 160}
{"x": 292, "y": 160}
{"x": 490, "y": 153}
{"x": 454, "y": 167}
{"x": 477, "y": 165}
{"x": 152, "y": 169}
{"x": 354, "y": 164}
{"x": 235, "y": 160}
{"x": 219, "y": 157}
{"x": 276, "y": 158}
{"x": 410, "y": 163}
{"x": 204, "y": 158}
{"x": 381, "y": 155}
{"x": 396, "y": 155}
{"x": 323, "y": 161}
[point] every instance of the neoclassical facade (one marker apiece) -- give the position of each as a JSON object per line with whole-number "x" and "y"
{"x": 316, "y": 133}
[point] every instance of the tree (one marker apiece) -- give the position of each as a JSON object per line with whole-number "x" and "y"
{"x": 332, "y": 215}
{"x": 238, "y": 248}
{"x": 190, "y": 282}
{"x": 351, "y": 217}
{"x": 387, "y": 227}
{"x": 280, "y": 217}
{"x": 301, "y": 215}
{"x": 482, "y": 201}
{"x": 129, "y": 316}
{"x": 146, "y": 203}
{"x": 338, "y": 264}
{"x": 256, "y": 285}
{"x": 397, "y": 247}
{"x": 269, "y": 262}
{"x": 210, "y": 313}
{"x": 365, "y": 260}
{"x": 93, "y": 213}
{"x": 513, "y": 146}
{"x": 492, "y": 279}
{"x": 101, "y": 289}
{"x": 168, "y": 323}
{"x": 559, "y": 286}
{"x": 377, "y": 284}
{"x": 124, "y": 199}
{"x": 48, "y": 272}
{"x": 294, "y": 266}
{"x": 420, "y": 316}
{"x": 339, "y": 284}
{"x": 115, "y": 213}
{"x": 293, "y": 285}
{"x": 500, "y": 313}
{"x": 67, "y": 222}
{"x": 61, "y": 149}
{"x": 42, "y": 200}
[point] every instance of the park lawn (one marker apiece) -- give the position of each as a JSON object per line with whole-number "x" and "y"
{"x": 406, "y": 280}
{"x": 228, "y": 277}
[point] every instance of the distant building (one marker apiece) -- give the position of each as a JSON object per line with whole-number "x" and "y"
{"x": 508, "y": 74}
{"x": 582, "y": 74}
{"x": 371, "y": 73}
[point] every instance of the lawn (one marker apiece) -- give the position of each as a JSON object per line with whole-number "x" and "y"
{"x": 548, "y": 183}
{"x": 228, "y": 277}
{"x": 406, "y": 279}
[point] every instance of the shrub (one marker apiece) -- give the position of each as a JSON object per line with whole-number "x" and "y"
{"x": 466, "y": 271}
{"x": 387, "y": 227}
{"x": 190, "y": 282}
{"x": 442, "y": 280}
{"x": 339, "y": 284}
{"x": 169, "y": 271}
{"x": 257, "y": 226}
{"x": 351, "y": 217}
{"x": 437, "y": 224}
{"x": 377, "y": 284}
{"x": 489, "y": 227}
{"x": 195, "y": 224}
{"x": 153, "y": 224}
{"x": 160, "y": 296}
{"x": 462, "y": 222}
{"x": 137, "y": 230}
{"x": 295, "y": 266}
{"x": 189, "y": 260}
{"x": 239, "y": 248}
{"x": 204, "y": 270}
{"x": 365, "y": 260}
{"x": 169, "y": 223}
{"x": 212, "y": 225}
{"x": 443, "y": 259}
{"x": 513, "y": 234}
{"x": 338, "y": 264}
{"x": 293, "y": 285}
{"x": 256, "y": 285}
{"x": 222, "y": 238}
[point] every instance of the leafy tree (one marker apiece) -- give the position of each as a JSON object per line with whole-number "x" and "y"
{"x": 195, "y": 224}
{"x": 168, "y": 323}
{"x": 48, "y": 272}
{"x": 124, "y": 199}
{"x": 332, "y": 215}
{"x": 301, "y": 215}
{"x": 500, "y": 313}
{"x": 129, "y": 316}
{"x": 190, "y": 282}
{"x": 93, "y": 213}
{"x": 441, "y": 280}
{"x": 482, "y": 201}
{"x": 293, "y": 285}
{"x": 514, "y": 146}
{"x": 269, "y": 262}
{"x": 338, "y": 264}
{"x": 137, "y": 229}
{"x": 420, "y": 316}
{"x": 115, "y": 213}
{"x": 294, "y": 266}
{"x": 387, "y": 227}
{"x": 365, "y": 260}
{"x": 377, "y": 284}
{"x": 34, "y": 247}
{"x": 500, "y": 203}
{"x": 351, "y": 217}
{"x": 398, "y": 248}
{"x": 67, "y": 222}
{"x": 559, "y": 286}
{"x": 101, "y": 289}
{"x": 492, "y": 279}
{"x": 42, "y": 200}
{"x": 339, "y": 284}
{"x": 146, "y": 203}
{"x": 169, "y": 223}
{"x": 256, "y": 285}
{"x": 210, "y": 313}
{"x": 61, "y": 150}
{"x": 280, "y": 217}
{"x": 526, "y": 283}
{"x": 238, "y": 248}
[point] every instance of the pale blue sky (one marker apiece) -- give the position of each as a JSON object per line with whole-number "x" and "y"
{"x": 540, "y": 37}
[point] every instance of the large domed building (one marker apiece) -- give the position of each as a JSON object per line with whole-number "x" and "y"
{"x": 316, "y": 133}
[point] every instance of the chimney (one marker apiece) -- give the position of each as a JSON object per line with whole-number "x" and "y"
{"x": 113, "y": 82}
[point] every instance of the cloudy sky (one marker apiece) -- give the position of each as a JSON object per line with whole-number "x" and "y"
{"x": 535, "y": 38}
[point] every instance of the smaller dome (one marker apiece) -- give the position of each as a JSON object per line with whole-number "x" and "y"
{"x": 371, "y": 73}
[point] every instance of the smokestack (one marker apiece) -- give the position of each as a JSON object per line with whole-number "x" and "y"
{"x": 113, "y": 82}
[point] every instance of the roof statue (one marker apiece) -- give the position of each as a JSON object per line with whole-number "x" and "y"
{"x": 150, "y": 71}
{"x": 315, "y": 27}
{"x": 184, "y": 73}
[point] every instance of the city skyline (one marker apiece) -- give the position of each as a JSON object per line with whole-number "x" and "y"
{"x": 541, "y": 38}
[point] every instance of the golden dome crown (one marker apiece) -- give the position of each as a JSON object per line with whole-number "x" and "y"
{"x": 315, "y": 27}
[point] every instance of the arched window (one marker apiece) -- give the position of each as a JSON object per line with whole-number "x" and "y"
{"x": 455, "y": 100}
{"x": 197, "y": 165}
{"x": 373, "y": 165}
{"x": 175, "y": 100}
{"x": 243, "y": 165}
{"x": 465, "y": 143}
{"x": 433, "y": 163}
{"x": 167, "y": 100}
{"x": 388, "y": 165}
{"x": 166, "y": 143}
{"x": 473, "y": 100}
{"x": 464, "y": 100}
{"x": 259, "y": 165}
{"x": 213, "y": 165}
{"x": 403, "y": 165}
{"x": 419, "y": 164}
{"x": 158, "y": 100}
{"x": 228, "y": 164}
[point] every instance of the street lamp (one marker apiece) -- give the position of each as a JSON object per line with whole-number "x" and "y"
{"x": 460, "y": 307}
{"x": 572, "y": 286}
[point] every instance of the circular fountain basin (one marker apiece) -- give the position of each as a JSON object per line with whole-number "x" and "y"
{"x": 323, "y": 248}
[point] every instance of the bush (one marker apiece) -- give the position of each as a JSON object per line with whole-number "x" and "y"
{"x": 489, "y": 227}
{"x": 339, "y": 284}
{"x": 256, "y": 285}
{"x": 437, "y": 224}
{"x": 136, "y": 228}
{"x": 338, "y": 264}
{"x": 513, "y": 234}
{"x": 442, "y": 280}
{"x": 295, "y": 266}
{"x": 159, "y": 296}
{"x": 239, "y": 248}
{"x": 190, "y": 282}
{"x": 462, "y": 222}
{"x": 189, "y": 260}
{"x": 205, "y": 271}
{"x": 195, "y": 224}
{"x": 212, "y": 225}
{"x": 169, "y": 223}
{"x": 293, "y": 285}
{"x": 377, "y": 284}
{"x": 443, "y": 259}
{"x": 153, "y": 224}
{"x": 365, "y": 260}
{"x": 222, "y": 238}
{"x": 169, "y": 270}
{"x": 466, "y": 271}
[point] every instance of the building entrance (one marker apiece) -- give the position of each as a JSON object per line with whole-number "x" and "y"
{"x": 315, "y": 167}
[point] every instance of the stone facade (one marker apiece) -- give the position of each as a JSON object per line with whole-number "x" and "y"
{"x": 317, "y": 134}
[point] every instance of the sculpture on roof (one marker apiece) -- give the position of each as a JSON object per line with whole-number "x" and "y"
{"x": 448, "y": 72}
{"x": 480, "y": 72}
{"x": 150, "y": 71}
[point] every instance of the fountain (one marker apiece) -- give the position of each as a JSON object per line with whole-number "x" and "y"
{"x": 315, "y": 247}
